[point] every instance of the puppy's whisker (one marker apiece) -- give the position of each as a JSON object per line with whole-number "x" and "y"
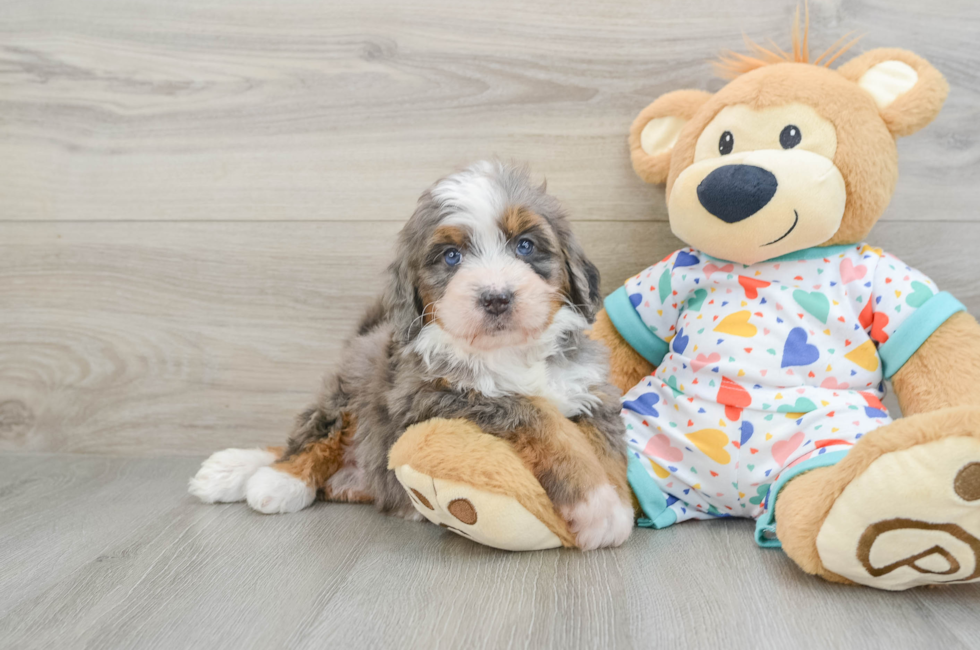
{"x": 421, "y": 317}
{"x": 573, "y": 305}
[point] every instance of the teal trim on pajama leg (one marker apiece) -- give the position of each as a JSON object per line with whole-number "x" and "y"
{"x": 765, "y": 525}
{"x": 651, "y": 497}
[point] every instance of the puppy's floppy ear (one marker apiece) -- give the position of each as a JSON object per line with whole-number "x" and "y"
{"x": 583, "y": 276}
{"x": 655, "y": 131}
{"x": 908, "y": 90}
{"x": 401, "y": 299}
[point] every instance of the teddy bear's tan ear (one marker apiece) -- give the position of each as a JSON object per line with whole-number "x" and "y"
{"x": 655, "y": 131}
{"x": 909, "y": 92}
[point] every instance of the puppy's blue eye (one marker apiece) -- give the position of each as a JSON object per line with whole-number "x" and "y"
{"x": 525, "y": 247}
{"x": 452, "y": 257}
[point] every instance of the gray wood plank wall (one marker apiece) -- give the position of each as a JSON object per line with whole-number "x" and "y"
{"x": 197, "y": 198}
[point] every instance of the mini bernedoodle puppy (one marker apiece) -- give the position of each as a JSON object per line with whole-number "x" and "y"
{"x": 484, "y": 317}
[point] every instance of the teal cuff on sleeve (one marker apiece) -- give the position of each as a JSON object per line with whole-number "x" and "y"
{"x": 765, "y": 525}
{"x": 632, "y": 328}
{"x": 913, "y": 332}
{"x": 651, "y": 497}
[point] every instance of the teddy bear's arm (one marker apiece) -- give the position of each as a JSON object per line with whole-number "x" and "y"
{"x": 626, "y": 365}
{"x": 944, "y": 371}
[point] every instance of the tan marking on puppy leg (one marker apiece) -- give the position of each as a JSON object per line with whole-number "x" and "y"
{"x": 559, "y": 455}
{"x": 319, "y": 460}
{"x": 614, "y": 464}
{"x": 349, "y": 495}
{"x": 565, "y": 462}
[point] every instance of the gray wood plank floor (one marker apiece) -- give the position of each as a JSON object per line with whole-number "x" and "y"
{"x": 102, "y": 552}
{"x": 197, "y": 197}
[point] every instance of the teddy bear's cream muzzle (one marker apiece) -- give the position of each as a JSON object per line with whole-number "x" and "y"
{"x": 757, "y": 205}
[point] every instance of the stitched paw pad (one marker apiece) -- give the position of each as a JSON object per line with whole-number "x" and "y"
{"x": 911, "y": 518}
{"x": 484, "y": 517}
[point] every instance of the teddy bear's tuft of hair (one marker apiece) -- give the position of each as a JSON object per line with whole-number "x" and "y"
{"x": 732, "y": 64}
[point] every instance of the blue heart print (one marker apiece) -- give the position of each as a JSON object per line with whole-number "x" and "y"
{"x": 636, "y": 299}
{"x": 747, "y": 431}
{"x": 796, "y": 351}
{"x": 643, "y": 404}
{"x": 680, "y": 341}
{"x": 685, "y": 259}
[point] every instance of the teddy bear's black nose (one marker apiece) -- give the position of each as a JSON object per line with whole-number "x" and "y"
{"x": 736, "y": 192}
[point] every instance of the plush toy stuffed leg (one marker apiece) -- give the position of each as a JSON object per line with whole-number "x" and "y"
{"x": 477, "y": 486}
{"x": 901, "y": 509}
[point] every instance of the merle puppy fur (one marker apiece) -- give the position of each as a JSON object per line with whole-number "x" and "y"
{"x": 483, "y": 317}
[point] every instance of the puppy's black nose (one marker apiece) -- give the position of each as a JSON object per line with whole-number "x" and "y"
{"x": 496, "y": 302}
{"x": 736, "y": 192}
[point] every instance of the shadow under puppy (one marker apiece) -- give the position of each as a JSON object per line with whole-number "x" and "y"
{"x": 484, "y": 318}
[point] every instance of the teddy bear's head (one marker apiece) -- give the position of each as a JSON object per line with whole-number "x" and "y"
{"x": 790, "y": 154}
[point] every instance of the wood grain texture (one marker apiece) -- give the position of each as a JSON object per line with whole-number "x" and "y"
{"x": 311, "y": 110}
{"x": 182, "y": 338}
{"x": 111, "y": 553}
{"x": 197, "y": 199}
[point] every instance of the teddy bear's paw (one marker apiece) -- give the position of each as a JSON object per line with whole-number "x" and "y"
{"x": 600, "y": 520}
{"x": 271, "y": 491}
{"x": 911, "y": 518}
{"x": 223, "y": 476}
{"x": 491, "y": 519}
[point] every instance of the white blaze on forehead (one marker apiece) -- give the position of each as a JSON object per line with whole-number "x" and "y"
{"x": 475, "y": 202}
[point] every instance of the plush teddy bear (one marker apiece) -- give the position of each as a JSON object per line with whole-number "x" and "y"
{"x": 753, "y": 361}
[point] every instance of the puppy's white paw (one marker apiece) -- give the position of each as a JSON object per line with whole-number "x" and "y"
{"x": 270, "y": 491}
{"x": 223, "y": 475}
{"x": 600, "y": 520}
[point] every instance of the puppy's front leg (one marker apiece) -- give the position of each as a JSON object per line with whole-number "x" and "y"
{"x": 563, "y": 455}
{"x": 603, "y": 427}
{"x": 583, "y": 474}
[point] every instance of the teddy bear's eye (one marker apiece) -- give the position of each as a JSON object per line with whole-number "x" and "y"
{"x": 726, "y": 143}
{"x": 790, "y": 136}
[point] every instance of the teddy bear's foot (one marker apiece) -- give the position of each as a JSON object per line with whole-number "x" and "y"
{"x": 484, "y": 517}
{"x": 901, "y": 510}
{"x": 476, "y": 486}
